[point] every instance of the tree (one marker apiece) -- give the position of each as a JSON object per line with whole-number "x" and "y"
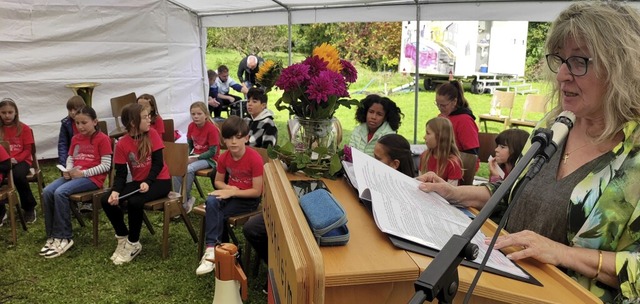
{"x": 535, "y": 48}
{"x": 249, "y": 40}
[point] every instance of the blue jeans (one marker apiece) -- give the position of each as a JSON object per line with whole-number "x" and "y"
{"x": 191, "y": 175}
{"x": 219, "y": 210}
{"x": 55, "y": 199}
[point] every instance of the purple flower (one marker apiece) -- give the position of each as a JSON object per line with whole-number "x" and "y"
{"x": 348, "y": 71}
{"x": 293, "y": 77}
{"x": 327, "y": 83}
{"x": 316, "y": 65}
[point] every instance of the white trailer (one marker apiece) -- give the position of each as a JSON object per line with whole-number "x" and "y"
{"x": 472, "y": 51}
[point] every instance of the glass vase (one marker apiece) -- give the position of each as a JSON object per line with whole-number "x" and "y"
{"x": 308, "y": 134}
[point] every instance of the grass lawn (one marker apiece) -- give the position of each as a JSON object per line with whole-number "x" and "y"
{"x": 86, "y": 275}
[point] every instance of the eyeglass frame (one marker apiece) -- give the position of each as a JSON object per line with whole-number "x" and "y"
{"x": 566, "y": 61}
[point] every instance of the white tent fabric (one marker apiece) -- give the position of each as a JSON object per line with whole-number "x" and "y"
{"x": 143, "y": 46}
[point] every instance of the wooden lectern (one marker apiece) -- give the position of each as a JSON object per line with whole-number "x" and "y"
{"x": 369, "y": 269}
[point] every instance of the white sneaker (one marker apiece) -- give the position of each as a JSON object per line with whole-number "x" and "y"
{"x": 58, "y": 247}
{"x": 121, "y": 240}
{"x": 46, "y": 247}
{"x": 189, "y": 204}
{"x": 129, "y": 251}
{"x": 207, "y": 266}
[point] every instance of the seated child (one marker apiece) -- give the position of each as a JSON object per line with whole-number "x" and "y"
{"x": 68, "y": 128}
{"x": 149, "y": 103}
{"x": 377, "y": 116}
{"x": 509, "y": 147}
{"x": 441, "y": 156}
{"x": 262, "y": 129}
{"x": 395, "y": 151}
{"x": 242, "y": 192}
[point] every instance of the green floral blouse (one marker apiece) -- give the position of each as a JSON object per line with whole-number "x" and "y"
{"x": 604, "y": 214}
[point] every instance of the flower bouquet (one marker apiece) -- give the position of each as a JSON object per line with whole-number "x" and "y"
{"x": 312, "y": 91}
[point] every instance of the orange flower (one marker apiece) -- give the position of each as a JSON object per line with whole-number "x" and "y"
{"x": 330, "y": 55}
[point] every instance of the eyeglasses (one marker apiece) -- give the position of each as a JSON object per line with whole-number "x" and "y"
{"x": 577, "y": 64}
{"x": 444, "y": 105}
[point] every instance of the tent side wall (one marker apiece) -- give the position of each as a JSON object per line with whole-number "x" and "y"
{"x": 149, "y": 46}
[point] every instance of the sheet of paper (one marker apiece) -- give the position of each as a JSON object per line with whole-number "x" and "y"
{"x": 64, "y": 169}
{"x": 500, "y": 172}
{"x": 401, "y": 209}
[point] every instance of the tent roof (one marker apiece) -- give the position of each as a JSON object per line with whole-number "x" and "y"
{"x": 222, "y": 13}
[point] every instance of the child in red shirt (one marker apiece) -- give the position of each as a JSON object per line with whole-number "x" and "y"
{"x": 441, "y": 156}
{"x": 20, "y": 138}
{"x": 141, "y": 150}
{"x": 88, "y": 164}
{"x": 240, "y": 194}
{"x": 149, "y": 102}
{"x": 204, "y": 141}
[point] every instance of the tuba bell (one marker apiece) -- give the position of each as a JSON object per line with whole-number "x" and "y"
{"x": 84, "y": 90}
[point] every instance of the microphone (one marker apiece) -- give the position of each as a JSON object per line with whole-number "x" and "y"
{"x": 559, "y": 132}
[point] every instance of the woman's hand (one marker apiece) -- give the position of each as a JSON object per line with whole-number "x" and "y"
{"x": 113, "y": 198}
{"x": 144, "y": 187}
{"x": 532, "y": 245}
{"x": 431, "y": 182}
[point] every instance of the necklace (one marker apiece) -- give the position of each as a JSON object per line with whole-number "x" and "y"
{"x": 566, "y": 155}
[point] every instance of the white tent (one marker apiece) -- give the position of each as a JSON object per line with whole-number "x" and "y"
{"x": 158, "y": 46}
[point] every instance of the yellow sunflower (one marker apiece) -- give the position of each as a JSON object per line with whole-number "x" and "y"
{"x": 330, "y": 55}
{"x": 264, "y": 68}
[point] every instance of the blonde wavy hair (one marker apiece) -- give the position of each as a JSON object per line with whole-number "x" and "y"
{"x": 610, "y": 31}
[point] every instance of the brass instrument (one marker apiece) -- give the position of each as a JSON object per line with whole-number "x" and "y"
{"x": 84, "y": 90}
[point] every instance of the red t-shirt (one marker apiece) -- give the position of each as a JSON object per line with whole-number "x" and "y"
{"x": 87, "y": 151}
{"x": 453, "y": 170}
{"x": 158, "y": 125}
{"x": 204, "y": 137}
{"x": 127, "y": 153}
{"x": 466, "y": 131}
{"x": 3, "y": 157}
{"x": 20, "y": 144}
{"x": 242, "y": 171}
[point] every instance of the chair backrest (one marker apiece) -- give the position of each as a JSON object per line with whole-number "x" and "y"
{"x": 102, "y": 126}
{"x": 168, "y": 131}
{"x": 487, "y": 145}
{"x": 35, "y": 164}
{"x": 177, "y": 158}
{"x": 503, "y": 100}
{"x": 534, "y": 103}
{"x": 117, "y": 103}
{"x": 468, "y": 167}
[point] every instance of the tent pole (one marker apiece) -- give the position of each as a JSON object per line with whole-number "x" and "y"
{"x": 417, "y": 76}
{"x": 288, "y": 26}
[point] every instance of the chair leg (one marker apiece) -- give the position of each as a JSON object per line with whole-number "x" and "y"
{"x": 165, "y": 229}
{"x": 148, "y": 223}
{"x": 187, "y": 222}
{"x": 95, "y": 216}
{"x": 195, "y": 181}
{"x": 76, "y": 213}
{"x": 12, "y": 219}
{"x": 485, "y": 126}
{"x": 203, "y": 224}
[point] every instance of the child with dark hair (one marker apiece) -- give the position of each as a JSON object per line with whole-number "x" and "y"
{"x": 68, "y": 128}
{"x": 395, "y": 151}
{"x": 141, "y": 150}
{"x": 87, "y": 167}
{"x": 377, "y": 116}
{"x": 262, "y": 129}
{"x": 20, "y": 138}
{"x": 240, "y": 194}
{"x": 453, "y": 105}
{"x": 509, "y": 147}
{"x": 149, "y": 102}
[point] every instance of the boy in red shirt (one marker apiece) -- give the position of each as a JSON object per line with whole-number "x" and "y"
{"x": 240, "y": 194}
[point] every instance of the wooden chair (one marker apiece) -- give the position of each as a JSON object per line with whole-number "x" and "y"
{"x": 35, "y": 175}
{"x": 468, "y": 167}
{"x": 487, "y": 145}
{"x": 501, "y": 100}
{"x": 532, "y": 104}
{"x": 176, "y": 157}
{"x": 233, "y": 221}
{"x": 117, "y": 103}
{"x": 9, "y": 194}
{"x": 168, "y": 131}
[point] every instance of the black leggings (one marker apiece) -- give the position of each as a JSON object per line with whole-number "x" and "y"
{"x": 20, "y": 172}
{"x": 135, "y": 206}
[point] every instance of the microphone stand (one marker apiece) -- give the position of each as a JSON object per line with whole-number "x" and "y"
{"x": 440, "y": 279}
